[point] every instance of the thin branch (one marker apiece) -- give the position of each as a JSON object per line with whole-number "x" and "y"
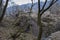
{"x": 53, "y": 2}
{"x": 31, "y": 8}
{"x": 43, "y": 6}
{"x": 31, "y": 5}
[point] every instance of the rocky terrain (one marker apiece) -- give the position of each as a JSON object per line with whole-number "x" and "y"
{"x": 50, "y": 25}
{"x": 21, "y": 26}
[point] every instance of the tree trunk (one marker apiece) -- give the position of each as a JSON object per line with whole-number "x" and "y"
{"x": 0, "y": 7}
{"x": 40, "y": 27}
{"x": 0, "y": 2}
{"x": 4, "y": 9}
{"x": 39, "y": 22}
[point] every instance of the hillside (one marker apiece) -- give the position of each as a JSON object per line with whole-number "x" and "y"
{"x": 18, "y": 24}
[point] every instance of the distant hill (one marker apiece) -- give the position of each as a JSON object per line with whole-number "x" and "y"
{"x": 24, "y": 7}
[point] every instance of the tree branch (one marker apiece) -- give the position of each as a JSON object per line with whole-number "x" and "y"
{"x": 52, "y": 2}
{"x": 43, "y": 6}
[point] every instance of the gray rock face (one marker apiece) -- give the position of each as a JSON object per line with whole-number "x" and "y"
{"x": 54, "y": 36}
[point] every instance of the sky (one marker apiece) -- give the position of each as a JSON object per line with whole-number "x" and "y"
{"x": 42, "y": 0}
{"x": 20, "y": 2}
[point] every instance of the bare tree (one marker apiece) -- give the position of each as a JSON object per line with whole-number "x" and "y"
{"x": 31, "y": 7}
{"x": 0, "y": 2}
{"x": 0, "y": 7}
{"x": 40, "y": 13}
{"x": 4, "y": 9}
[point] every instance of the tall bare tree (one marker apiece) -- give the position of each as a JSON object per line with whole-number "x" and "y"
{"x": 30, "y": 8}
{"x": 40, "y": 13}
{"x": 4, "y": 9}
{"x": 0, "y": 2}
{"x": 0, "y": 7}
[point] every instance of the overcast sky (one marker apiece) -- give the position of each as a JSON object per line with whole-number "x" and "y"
{"x": 20, "y": 2}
